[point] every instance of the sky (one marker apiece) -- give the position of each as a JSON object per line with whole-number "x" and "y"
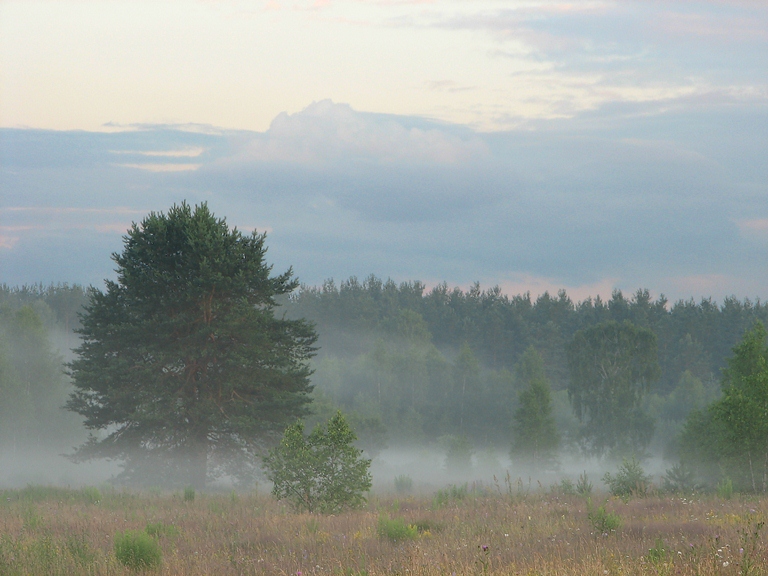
{"x": 588, "y": 145}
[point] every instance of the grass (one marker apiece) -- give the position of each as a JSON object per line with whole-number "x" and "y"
{"x": 61, "y": 532}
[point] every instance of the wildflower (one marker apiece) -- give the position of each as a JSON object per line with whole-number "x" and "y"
{"x": 485, "y": 548}
{"x": 725, "y": 563}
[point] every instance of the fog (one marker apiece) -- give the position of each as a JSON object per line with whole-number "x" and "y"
{"x": 491, "y": 470}
{"x": 432, "y": 389}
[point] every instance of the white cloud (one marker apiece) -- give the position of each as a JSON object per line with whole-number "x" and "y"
{"x": 183, "y": 153}
{"x": 329, "y": 132}
{"x": 155, "y": 167}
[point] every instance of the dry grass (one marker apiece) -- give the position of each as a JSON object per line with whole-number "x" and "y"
{"x": 64, "y": 532}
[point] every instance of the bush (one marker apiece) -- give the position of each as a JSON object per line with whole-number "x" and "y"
{"x": 566, "y": 487}
{"x": 453, "y": 492}
{"x": 725, "y": 488}
{"x": 602, "y": 521}
{"x": 395, "y": 529}
{"x": 403, "y": 484}
{"x": 137, "y": 550}
{"x": 630, "y": 480}
{"x": 323, "y": 472}
{"x": 189, "y": 494}
{"x": 584, "y": 486}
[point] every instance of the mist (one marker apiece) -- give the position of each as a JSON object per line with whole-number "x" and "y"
{"x": 430, "y": 381}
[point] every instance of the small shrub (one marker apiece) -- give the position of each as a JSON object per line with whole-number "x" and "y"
{"x": 395, "y": 529}
{"x": 403, "y": 484}
{"x": 137, "y": 550}
{"x": 189, "y": 494}
{"x": 453, "y": 492}
{"x": 427, "y": 526}
{"x": 630, "y": 480}
{"x": 583, "y": 485}
{"x": 725, "y": 488}
{"x": 566, "y": 487}
{"x": 602, "y": 521}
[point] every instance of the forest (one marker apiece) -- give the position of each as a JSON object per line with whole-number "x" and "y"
{"x": 416, "y": 366}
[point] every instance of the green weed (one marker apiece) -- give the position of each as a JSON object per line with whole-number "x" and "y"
{"x": 137, "y": 550}
{"x": 395, "y": 529}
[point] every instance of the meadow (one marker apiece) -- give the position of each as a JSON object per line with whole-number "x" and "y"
{"x": 496, "y": 530}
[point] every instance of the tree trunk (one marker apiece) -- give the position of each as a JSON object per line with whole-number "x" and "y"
{"x": 752, "y": 472}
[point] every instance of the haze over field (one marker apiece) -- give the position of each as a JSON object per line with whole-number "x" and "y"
{"x": 534, "y": 145}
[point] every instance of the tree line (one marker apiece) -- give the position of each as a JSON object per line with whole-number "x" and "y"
{"x": 197, "y": 352}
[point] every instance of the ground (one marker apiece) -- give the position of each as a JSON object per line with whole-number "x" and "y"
{"x": 497, "y": 530}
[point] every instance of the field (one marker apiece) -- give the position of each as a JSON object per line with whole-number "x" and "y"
{"x": 497, "y": 530}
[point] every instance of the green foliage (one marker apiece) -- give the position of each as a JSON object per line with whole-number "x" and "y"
{"x": 630, "y": 480}
{"x": 183, "y": 361}
{"x": 535, "y": 434}
{"x": 602, "y": 521}
{"x": 189, "y": 494}
{"x": 80, "y": 550}
{"x": 157, "y": 529}
{"x": 680, "y": 479}
{"x": 724, "y": 488}
{"x": 395, "y": 529}
{"x": 323, "y": 472}
{"x": 583, "y": 485}
{"x": 659, "y": 553}
{"x": 732, "y": 432}
{"x": 137, "y": 550}
{"x": 33, "y": 385}
{"x": 403, "y": 484}
{"x": 452, "y": 493}
{"x": 612, "y": 365}
{"x": 566, "y": 487}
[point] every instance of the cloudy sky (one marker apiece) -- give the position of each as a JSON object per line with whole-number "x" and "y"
{"x": 535, "y": 145}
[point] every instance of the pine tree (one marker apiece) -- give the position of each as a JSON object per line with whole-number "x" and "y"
{"x": 183, "y": 364}
{"x": 535, "y": 433}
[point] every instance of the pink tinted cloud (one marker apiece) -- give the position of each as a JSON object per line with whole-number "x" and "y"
{"x": 538, "y": 285}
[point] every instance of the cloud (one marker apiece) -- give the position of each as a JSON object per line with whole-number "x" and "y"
{"x": 8, "y": 242}
{"x": 328, "y": 132}
{"x": 538, "y": 285}
{"x": 668, "y": 197}
{"x": 183, "y": 153}
{"x": 154, "y": 167}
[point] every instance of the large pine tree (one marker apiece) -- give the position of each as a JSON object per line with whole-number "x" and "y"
{"x": 183, "y": 364}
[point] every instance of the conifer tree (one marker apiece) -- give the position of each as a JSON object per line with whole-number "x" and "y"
{"x": 183, "y": 364}
{"x": 535, "y": 432}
